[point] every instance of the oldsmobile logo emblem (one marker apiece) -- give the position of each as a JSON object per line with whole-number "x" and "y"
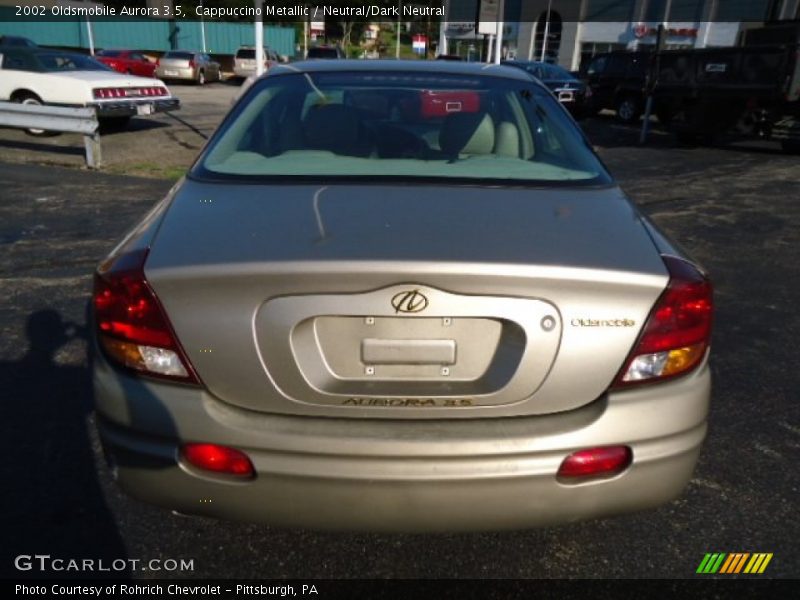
{"x": 411, "y": 301}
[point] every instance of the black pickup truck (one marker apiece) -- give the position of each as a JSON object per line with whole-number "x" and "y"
{"x": 751, "y": 90}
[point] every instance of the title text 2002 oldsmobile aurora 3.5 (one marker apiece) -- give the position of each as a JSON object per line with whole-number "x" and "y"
{"x": 400, "y": 296}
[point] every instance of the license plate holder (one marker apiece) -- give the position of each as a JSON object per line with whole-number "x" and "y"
{"x": 144, "y": 109}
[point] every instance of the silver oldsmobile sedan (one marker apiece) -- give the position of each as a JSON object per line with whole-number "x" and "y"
{"x": 400, "y": 296}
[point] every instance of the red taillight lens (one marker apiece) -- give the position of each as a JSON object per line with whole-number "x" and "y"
{"x": 104, "y": 93}
{"x": 132, "y": 327}
{"x": 191, "y": 64}
{"x": 218, "y": 459}
{"x": 678, "y": 330}
{"x": 596, "y": 462}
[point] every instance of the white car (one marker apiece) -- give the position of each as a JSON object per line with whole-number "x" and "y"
{"x": 244, "y": 62}
{"x": 48, "y": 76}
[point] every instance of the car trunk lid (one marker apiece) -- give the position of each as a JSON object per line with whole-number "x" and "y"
{"x": 405, "y": 301}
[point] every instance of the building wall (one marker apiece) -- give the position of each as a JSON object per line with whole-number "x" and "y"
{"x": 609, "y": 24}
{"x": 150, "y": 35}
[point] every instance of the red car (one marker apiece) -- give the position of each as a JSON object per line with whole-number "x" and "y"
{"x": 132, "y": 62}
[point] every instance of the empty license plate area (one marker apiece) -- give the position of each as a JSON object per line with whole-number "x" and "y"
{"x": 326, "y": 349}
{"x": 409, "y": 356}
{"x": 408, "y": 348}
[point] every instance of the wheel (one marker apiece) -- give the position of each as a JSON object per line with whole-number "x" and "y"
{"x": 201, "y": 78}
{"x": 791, "y": 146}
{"x": 31, "y": 98}
{"x": 628, "y": 110}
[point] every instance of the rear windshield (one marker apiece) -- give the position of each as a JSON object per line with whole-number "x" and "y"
{"x": 60, "y": 61}
{"x": 322, "y": 53}
{"x": 402, "y": 125}
{"x": 181, "y": 55}
{"x": 108, "y": 53}
{"x": 556, "y": 72}
{"x": 246, "y": 53}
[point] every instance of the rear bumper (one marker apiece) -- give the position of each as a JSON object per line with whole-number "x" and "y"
{"x": 242, "y": 71}
{"x": 176, "y": 73}
{"x": 130, "y": 108}
{"x": 379, "y": 475}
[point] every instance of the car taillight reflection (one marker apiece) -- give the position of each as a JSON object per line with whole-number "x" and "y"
{"x": 129, "y": 92}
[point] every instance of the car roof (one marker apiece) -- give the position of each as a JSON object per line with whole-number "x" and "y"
{"x": 393, "y": 66}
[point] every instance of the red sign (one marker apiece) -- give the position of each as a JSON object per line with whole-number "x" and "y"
{"x": 641, "y": 30}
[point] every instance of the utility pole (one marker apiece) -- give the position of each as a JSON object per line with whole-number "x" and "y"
{"x": 397, "y": 33}
{"x": 498, "y": 50}
{"x": 546, "y": 31}
{"x": 90, "y": 35}
{"x": 202, "y": 28}
{"x": 259, "y": 35}
{"x": 652, "y": 81}
{"x": 443, "y": 30}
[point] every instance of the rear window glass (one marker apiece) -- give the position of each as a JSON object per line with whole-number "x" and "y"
{"x": 55, "y": 61}
{"x": 556, "y": 72}
{"x": 400, "y": 124}
{"x": 246, "y": 53}
{"x": 181, "y": 55}
{"x": 322, "y": 53}
{"x": 108, "y": 53}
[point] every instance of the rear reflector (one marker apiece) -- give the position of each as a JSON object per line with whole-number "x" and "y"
{"x": 132, "y": 327}
{"x": 129, "y": 92}
{"x": 678, "y": 330}
{"x": 218, "y": 459}
{"x": 596, "y": 462}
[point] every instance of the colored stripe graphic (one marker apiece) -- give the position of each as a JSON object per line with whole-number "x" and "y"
{"x": 711, "y": 563}
{"x": 733, "y": 563}
{"x": 758, "y": 563}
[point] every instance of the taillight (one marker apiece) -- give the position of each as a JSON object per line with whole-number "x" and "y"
{"x": 218, "y": 459}
{"x": 191, "y": 64}
{"x": 132, "y": 327}
{"x": 678, "y": 330}
{"x": 605, "y": 461}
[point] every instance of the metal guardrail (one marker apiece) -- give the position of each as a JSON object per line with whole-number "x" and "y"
{"x": 56, "y": 118}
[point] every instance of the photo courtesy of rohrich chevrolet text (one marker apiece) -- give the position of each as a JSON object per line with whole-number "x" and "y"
{"x": 383, "y": 298}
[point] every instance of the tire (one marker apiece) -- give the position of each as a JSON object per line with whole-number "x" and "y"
{"x": 791, "y": 146}
{"x": 628, "y": 109}
{"x": 201, "y": 78}
{"x": 31, "y": 98}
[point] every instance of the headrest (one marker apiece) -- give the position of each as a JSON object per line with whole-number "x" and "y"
{"x": 507, "y": 137}
{"x": 332, "y": 127}
{"x": 467, "y": 133}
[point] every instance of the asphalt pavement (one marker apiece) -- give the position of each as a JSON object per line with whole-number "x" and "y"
{"x": 735, "y": 208}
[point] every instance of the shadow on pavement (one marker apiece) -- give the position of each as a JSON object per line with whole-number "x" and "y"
{"x": 52, "y": 501}
{"x": 75, "y": 150}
